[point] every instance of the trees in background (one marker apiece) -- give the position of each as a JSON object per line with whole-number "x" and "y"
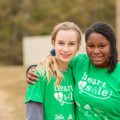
{"x": 19, "y": 18}
{"x": 118, "y": 25}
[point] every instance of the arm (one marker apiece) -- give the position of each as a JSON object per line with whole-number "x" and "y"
{"x": 31, "y": 66}
{"x": 34, "y": 111}
{"x": 35, "y": 92}
{"x": 31, "y": 77}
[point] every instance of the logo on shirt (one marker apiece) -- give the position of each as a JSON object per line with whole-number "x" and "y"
{"x": 64, "y": 94}
{"x": 59, "y": 117}
{"x": 94, "y": 87}
{"x": 70, "y": 117}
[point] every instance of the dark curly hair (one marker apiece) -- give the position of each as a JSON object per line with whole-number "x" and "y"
{"x": 106, "y": 30}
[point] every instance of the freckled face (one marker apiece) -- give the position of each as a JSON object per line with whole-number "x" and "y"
{"x": 98, "y": 49}
{"x": 66, "y": 45}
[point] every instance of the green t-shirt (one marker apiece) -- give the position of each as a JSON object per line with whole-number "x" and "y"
{"x": 97, "y": 92}
{"x": 57, "y": 102}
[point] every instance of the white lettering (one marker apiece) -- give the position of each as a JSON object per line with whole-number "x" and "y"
{"x": 84, "y": 76}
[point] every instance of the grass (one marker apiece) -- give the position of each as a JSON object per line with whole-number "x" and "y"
{"x": 12, "y": 91}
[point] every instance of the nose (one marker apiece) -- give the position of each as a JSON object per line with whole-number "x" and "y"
{"x": 66, "y": 48}
{"x": 96, "y": 51}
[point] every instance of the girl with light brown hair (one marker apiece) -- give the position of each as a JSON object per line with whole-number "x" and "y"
{"x": 51, "y": 97}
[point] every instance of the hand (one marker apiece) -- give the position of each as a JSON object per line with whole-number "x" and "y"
{"x": 31, "y": 77}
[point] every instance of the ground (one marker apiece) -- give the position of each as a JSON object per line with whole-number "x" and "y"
{"x": 12, "y": 92}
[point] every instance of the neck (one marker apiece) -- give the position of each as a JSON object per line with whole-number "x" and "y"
{"x": 62, "y": 66}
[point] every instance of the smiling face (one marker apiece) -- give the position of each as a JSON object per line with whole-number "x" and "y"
{"x": 66, "y": 45}
{"x": 98, "y": 49}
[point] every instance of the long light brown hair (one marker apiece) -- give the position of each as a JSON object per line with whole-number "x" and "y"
{"x": 50, "y": 64}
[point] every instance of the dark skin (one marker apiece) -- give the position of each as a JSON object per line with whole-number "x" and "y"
{"x": 98, "y": 49}
{"x": 31, "y": 77}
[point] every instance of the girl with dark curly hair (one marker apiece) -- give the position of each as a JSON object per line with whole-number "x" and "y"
{"x": 97, "y": 76}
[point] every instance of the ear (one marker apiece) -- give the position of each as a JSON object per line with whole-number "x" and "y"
{"x": 53, "y": 44}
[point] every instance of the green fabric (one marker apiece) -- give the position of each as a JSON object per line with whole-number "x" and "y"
{"x": 58, "y": 102}
{"x": 97, "y": 93}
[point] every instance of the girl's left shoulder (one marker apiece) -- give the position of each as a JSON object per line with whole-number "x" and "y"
{"x": 117, "y": 69}
{"x": 118, "y": 65}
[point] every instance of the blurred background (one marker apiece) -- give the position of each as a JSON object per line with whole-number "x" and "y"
{"x": 29, "y": 18}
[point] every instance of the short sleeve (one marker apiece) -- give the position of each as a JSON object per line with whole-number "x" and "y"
{"x": 35, "y": 92}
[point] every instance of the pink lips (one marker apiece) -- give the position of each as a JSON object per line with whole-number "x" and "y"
{"x": 65, "y": 55}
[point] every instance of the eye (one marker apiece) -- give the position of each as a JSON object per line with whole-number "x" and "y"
{"x": 90, "y": 45}
{"x": 102, "y": 46}
{"x": 60, "y": 43}
{"x": 72, "y": 44}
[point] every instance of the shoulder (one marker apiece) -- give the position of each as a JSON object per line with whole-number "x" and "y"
{"x": 41, "y": 72}
{"x": 79, "y": 59}
{"x": 117, "y": 67}
{"x": 40, "y": 69}
{"x": 116, "y": 72}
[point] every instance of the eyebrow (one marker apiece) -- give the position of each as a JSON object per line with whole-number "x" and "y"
{"x": 63, "y": 40}
{"x": 73, "y": 41}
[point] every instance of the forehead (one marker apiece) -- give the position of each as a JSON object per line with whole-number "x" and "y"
{"x": 66, "y": 34}
{"x": 97, "y": 38}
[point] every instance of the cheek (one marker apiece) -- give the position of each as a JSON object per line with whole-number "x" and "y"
{"x": 107, "y": 51}
{"x": 108, "y": 54}
{"x": 75, "y": 49}
{"x": 88, "y": 50}
{"x": 57, "y": 51}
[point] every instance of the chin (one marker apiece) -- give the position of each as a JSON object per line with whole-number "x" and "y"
{"x": 100, "y": 65}
{"x": 97, "y": 63}
{"x": 65, "y": 60}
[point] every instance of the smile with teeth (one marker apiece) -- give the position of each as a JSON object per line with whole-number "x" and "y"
{"x": 65, "y": 55}
{"x": 97, "y": 58}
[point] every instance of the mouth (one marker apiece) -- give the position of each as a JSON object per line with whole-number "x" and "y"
{"x": 97, "y": 59}
{"x": 65, "y": 55}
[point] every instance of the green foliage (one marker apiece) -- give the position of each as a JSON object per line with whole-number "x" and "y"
{"x": 19, "y": 18}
